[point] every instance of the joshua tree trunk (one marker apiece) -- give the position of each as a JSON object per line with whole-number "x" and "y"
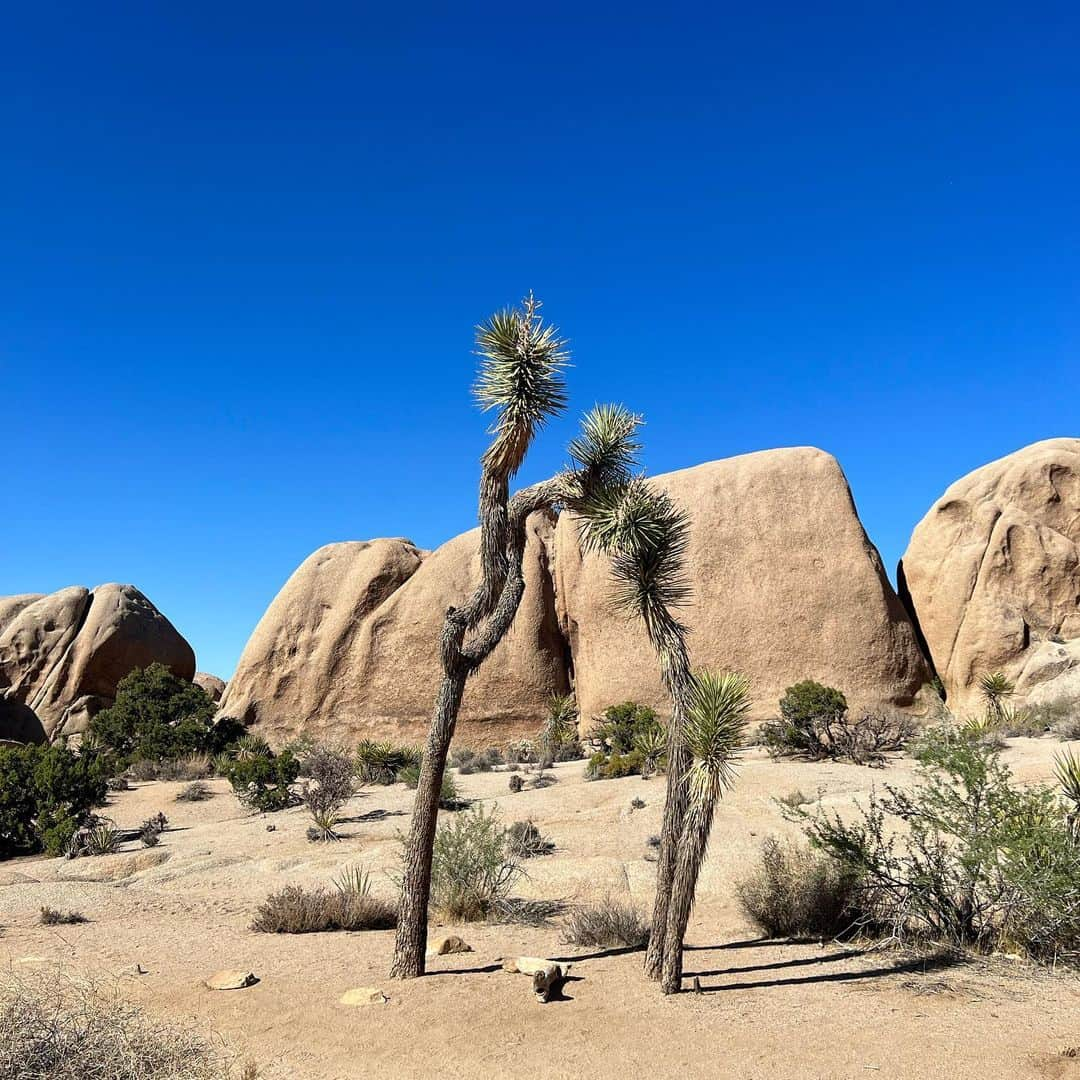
{"x": 416, "y": 877}
{"x": 691, "y": 853}
{"x": 676, "y": 663}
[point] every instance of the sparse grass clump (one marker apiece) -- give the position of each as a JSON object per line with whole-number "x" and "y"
{"x": 51, "y": 916}
{"x": 56, "y": 1029}
{"x": 473, "y": 867}
{"x": 798, "y": 892}
{"x": 349, "y": 905}
{"x": 607, "y": 924}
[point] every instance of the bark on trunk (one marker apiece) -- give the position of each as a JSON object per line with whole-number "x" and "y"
{"x": 678, "y": 677}
{"x": 411, "y": 944}
{"x": 692, "y": 847}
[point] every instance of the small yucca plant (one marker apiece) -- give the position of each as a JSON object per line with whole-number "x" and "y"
{"x": 354, "y": 880}
{"x": 1067, "y": 773}
{"x": 250, "y": 746}
{"x": 102, "y": 839}
{"x": 651, "y": 743}
{"x": 326, "y": 821}
{"x": 995, "y": 688}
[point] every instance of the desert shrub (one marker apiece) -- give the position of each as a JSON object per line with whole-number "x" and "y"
{"x": 637, "y": 804}
{"x": 618, "y": 728}
{"x": 143, "y": 770}
{"x": 158, "y": 716}
{"x": 473, "y": 868}
{"x": 525, "y": 841}
{"x": 449, "y": 795}
{"x": 380, "y": 762}
{"x": 60, "y": 1029}
{"x": 54, "y": 917}
{"x": 522, "y": 752}
{"x": 331, "y": 783}
{"x": 814, "y": 724}
{"x": 349, "y": 905}
{"x": 194, "y": 792}
{"x": 190, "y": 767}
{"x": 615, "y": 765}
{"x": 626, "y": 740}
{"x": 151, "y": 829}
{"x": 261, "y": 781}
{"x": 517, "y": 782}
{"x": 46, "y": 794}
{"x": 607, "y": 924}
{"x": 979, "y": 863}
{"x": 799, "y": 892}
{"x": 490, "y": 758}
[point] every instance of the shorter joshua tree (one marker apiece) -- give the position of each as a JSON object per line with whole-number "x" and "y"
{"x": 713, "y": 732}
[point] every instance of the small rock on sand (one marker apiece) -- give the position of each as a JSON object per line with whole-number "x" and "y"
{"x": 231, "y": 980}
{"x": 448, "y": 944}
{"x": 364, "y": 995}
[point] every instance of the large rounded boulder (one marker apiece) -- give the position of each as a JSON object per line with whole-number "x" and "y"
{"x": 786, "y": 586}
{"x": 992, "y": 576}
{"x": 62, "y": 656}
{"x": 350, "y": 646}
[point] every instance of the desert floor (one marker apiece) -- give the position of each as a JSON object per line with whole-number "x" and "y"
{"x": 769, "y": 1009}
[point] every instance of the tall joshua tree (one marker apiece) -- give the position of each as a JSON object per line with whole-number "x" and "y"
{"x": 647, "y": 535}
{"x": 520, "y": 381}
{"x": 715, "y": 719}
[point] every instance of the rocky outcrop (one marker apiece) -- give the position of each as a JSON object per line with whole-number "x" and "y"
{"x": 214, "y": 687}
{"x": 786, "y": 587}
{"x": 349, "y": 647}
{"x": 62, "y": 655}
{"x": 992, "y": 576}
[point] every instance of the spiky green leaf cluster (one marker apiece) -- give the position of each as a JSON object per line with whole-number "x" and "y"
{"x": 521, "y": 365}
{"x": 714, "y": 727}
{"x": 646, "y": 536}
{"x": 607, "y": 447}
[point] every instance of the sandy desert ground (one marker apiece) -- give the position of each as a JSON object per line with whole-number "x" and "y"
{"x": 768, "y": 1009}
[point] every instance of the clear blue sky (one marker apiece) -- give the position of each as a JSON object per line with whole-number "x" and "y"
{"x": 244, "y": 246}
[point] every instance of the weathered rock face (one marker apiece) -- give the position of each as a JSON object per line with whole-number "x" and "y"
{"x": 62, "y": 655}
{"x": 992, "y": 575}
{"x": 214, "y": 687}
{"x": 349, "y": 647}
{"x": 786, "y": 587}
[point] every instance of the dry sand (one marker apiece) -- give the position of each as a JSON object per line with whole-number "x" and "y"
{"x": 768, "y": 1010}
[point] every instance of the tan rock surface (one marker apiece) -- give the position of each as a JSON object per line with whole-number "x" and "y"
{"x": 62, "y": 655}
{"x": 214, "y": 687}
{"x": 349, "y": 647}
{"x": 787, "y": 586}
{"x": 992, "y": 574}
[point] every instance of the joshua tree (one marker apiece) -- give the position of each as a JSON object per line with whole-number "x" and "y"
{"x": 715, "y": 718}
{"x": 647, "y": 536}
{"x": 520, "y": 380}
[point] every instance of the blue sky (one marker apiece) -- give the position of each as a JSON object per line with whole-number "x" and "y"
{"x": 244, "y": 246}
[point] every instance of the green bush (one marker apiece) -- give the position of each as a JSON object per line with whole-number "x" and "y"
{"x": 967, "y": 858}
{"x": 814, "y": 724}
{"x": 261, "y": 781}
{"x": 473, "y": 867}
{"x": 46, "y": 793}
{"x": 160, "y": 717}
{"x": 614, "y": 766}
{"x": 627, "y": 740}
